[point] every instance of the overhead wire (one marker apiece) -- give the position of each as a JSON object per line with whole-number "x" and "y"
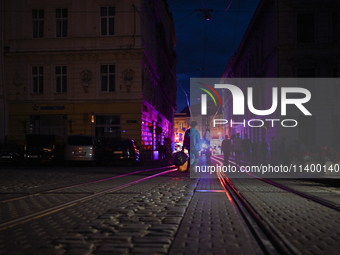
{"x": 187, "y": 18}
{"x": 184, "y": 17}
{"x": 228, "y": 7}
{"x": 203, "y": 4}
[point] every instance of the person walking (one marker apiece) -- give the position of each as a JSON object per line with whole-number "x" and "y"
{"x": 226, "y": 146}
{"x": 232, "y": 137}
{"x": 192, "y": 139}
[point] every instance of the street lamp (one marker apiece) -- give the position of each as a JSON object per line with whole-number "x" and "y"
{"x": 205, "y": 13}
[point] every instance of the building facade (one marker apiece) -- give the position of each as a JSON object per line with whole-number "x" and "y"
{"x": 3, "y": 115}
{"x": 296, "y": 39}
{"x": 105, "y": 68}
{"x": 182, "y": 123}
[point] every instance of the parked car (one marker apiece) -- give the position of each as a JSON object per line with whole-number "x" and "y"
{"x": 124, "y": 151}
{"x": 10, "y": 153}
{"x": 43, "y": 148}
{"x": 80, "y": 148}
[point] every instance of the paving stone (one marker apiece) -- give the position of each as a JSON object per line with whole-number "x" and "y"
{"x": 149, "y": 250}
{"x": 78, "y": 252}
{"x": 63, "y": 241}
{"x": 88, "y": 246}
{"x": 172, "y": 220}
{"x": 150, "y": 239}
{"x": 165, "y": 233}
{"x": 110, "y": 238}
{"x": 136, "y": 213}
{"x": 164, "y": 227}
{"x": 135, "y": 227}
{"x": 132, "y": 233}
{"x": 151, "y": 219}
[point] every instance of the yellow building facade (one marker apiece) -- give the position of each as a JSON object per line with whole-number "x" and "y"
{"x": 105, "y": 68}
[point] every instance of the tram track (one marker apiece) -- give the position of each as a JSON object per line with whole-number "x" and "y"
{"x": 47, "y": 191}
{"x": 270, "y": 237}
{"x": 316, "y": 199}
{"x": 270, "y": 241}
{"x": 84, "y": 197}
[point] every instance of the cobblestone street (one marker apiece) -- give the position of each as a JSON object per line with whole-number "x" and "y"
{"x": 159, "y": 210}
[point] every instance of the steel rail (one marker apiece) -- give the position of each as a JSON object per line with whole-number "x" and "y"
{"x": 315, "y": 199}
{"x": 63, "y": 206}
{"x": 268, "y": 237}
{"x": 78, "y": 185}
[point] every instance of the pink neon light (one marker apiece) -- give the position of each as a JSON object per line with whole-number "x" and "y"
{"x": 114, "y": 177}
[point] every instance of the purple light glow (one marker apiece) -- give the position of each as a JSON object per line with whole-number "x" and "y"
{"x": 114, "y": 177}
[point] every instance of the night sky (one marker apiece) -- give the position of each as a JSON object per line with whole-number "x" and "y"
{"x": 204, "y": 47}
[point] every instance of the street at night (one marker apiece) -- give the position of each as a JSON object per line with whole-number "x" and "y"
{"x": 169, "y": 127}
{"x": 159, "y": 210}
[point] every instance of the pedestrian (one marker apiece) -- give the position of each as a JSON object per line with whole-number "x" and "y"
{"x": 237, "y": 147}
{"x": 264, "y": 150}
{"x": 232, "y": 137}
{"x": 186, "y": 145}
{"x": 225, "y": 148}
{"x": 274, "y": 150}
{"x": 192, "y": 138}
{"x": 254, "y": 151}
{"x": 246, "y": 146}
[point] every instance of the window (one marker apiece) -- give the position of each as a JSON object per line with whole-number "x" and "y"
{"x": 107, "y": 15}
{"x": 61, "y": 22}
{"x": 60, "y": 79}
{"x": 38, "y": 23}
{"x": 107, "y": 76}
{"x": 305, "y": 28}
{"x": 37, "y": 79}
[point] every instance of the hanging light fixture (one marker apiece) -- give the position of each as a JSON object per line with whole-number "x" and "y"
{"x": 207, "y": 15}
